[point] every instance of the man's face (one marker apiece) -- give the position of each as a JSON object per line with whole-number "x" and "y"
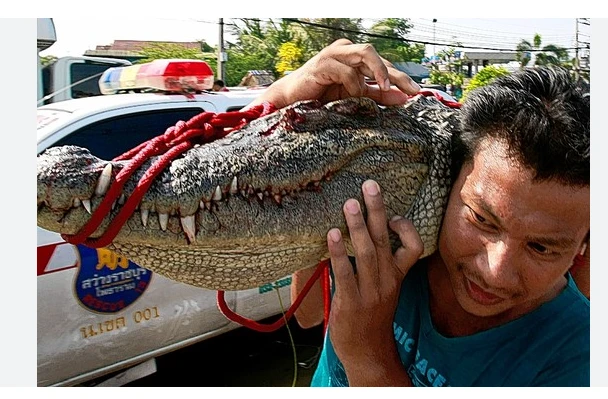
{"x": 507, "y": 241}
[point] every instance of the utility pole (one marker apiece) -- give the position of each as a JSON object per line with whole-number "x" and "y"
{"x": 581, "y": 68}
{"x": 221, "y": 54}
{"x": 576, "y": 60}
{"x": 434, "y": 23}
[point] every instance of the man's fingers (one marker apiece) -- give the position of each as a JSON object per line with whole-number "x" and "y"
{"x": 364, "y": 57}
{"x": 348, "y": 77}
{"x": 412, "y": 246}
{"x": 363, "y": 246}
{"x": 344, "y": 276}
{"x": 368, "y": 61}
{"x": 376, "y": 223}
{"x": 393, "y": 96}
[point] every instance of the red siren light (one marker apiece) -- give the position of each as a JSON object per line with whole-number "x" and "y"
{"x": 168, "y": 75}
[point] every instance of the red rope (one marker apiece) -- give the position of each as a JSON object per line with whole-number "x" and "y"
{"x": 451, "y": 104}
{"x": 322, "y": 267}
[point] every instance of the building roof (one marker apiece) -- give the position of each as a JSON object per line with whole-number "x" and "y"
{"x": 137, "y": 45}
{"x": 413, "y": 69}
{"x": 490, "y": 56}
{"x": 257, "y": 78}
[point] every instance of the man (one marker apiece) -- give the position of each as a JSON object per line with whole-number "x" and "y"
{"x": 495, "y": 305}
{"x": 219, "y": 85}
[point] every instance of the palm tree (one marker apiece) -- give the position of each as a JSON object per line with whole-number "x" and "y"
{"x": 549, "y": 54}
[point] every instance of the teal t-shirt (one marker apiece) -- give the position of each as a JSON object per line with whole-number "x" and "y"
{"x": 547, "y": 347}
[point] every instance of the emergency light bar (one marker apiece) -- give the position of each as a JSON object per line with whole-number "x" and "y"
{"x": 172, "y": 75}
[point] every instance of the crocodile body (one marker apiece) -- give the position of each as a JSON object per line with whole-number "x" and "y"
{"x": 256, "y": 205}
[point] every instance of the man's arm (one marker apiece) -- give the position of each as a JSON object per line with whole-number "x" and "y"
{"x": 339, "y": 71}
{"x": 310, "y": 312}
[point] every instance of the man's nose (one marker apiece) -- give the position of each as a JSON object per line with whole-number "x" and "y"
{"x": 501, "y": 263}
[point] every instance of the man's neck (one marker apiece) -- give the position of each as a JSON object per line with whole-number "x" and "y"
{"x": 451, "y": 320}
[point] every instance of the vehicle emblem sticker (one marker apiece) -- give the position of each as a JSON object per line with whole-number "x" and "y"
{"x": 108, "y": 282}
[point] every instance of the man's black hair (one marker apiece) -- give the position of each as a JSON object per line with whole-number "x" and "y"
{"x": 543, "y": 116}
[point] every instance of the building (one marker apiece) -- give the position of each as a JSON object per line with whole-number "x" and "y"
{"x": 257, "y": 78}
{"x": 473, "y": 60}
{"x": 129, "y": 49}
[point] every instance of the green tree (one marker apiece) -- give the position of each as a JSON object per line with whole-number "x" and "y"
{"x": 332, "y": 29}
{"x": 452, "y": 75}
{"x": 545, "y": 55}
{"x": 483, "y": 77}
{"x": 395, "y": 50}
{"x": 257, "y": 46}
{"x": 47, "y": 60}
{"x": 161, "y": 51}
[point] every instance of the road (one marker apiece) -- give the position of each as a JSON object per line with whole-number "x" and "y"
{"x": 241, "y": 358}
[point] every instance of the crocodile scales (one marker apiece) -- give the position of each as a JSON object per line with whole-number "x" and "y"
{"x": 256, "y": 205}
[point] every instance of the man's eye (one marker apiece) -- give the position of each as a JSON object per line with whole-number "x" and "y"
{"x": 541, "y": 249}
{"x": 477, "y": 217}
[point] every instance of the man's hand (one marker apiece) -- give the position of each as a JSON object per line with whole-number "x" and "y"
{"x": 339, "y": 71}
{"x": 363, "y": 305}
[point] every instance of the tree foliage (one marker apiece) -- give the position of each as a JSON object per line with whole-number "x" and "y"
{"x": 158, "y": 51}
{"x": 544, "y": 55}
{"x": 279, "y": 45}
{"x": 483, "y": 77}
{"x": 395, "y": 50}
{"x": 47, "y": 60}
{"x": 332, "y": 29}
{"x": 257, "y": 47}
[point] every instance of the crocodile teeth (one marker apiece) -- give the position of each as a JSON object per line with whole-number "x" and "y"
{"x": 76, "y": 203}
{"x": 104, "y": 180}
{"x": 261, "y": 196}
{"x": 234, "y": 188}
{"x": 87, "y": 205}
{"x": 277, "y": 198}
{"x": 217, "y": 195}
{"x": 163, "y": 219}
{"x": 144, "y": 217}
{"x": 122, "y": 199}
{"x": 189, "y": 226}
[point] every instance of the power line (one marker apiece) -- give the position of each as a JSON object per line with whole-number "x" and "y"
{"x": 407, "y": 40}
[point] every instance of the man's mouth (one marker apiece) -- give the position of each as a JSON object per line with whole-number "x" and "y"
{"x": 480, "y": 295}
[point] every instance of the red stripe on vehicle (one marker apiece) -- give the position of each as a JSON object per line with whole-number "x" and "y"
{"x": 44, "y": 256}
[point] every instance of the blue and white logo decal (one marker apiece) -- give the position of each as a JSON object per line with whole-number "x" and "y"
{"x": 107, "y": 282}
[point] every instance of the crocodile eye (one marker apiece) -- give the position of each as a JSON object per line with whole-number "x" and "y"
{"x": 355, "y": 106}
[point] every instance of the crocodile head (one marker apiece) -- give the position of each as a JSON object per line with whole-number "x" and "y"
{"x": 256, "y": 205}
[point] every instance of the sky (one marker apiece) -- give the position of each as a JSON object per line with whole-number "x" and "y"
{"x": 75, "y": 35}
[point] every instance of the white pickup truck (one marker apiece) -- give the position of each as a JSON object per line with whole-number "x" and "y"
{"x": 97, "y": 311}
{"x": 68, "y": 77}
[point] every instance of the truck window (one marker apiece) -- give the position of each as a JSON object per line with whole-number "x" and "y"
{"x": 110, "y": 138}
{"x": 80, "y": 71}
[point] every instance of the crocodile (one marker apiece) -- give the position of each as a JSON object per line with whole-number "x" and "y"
{"x": 256, "y": 205}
